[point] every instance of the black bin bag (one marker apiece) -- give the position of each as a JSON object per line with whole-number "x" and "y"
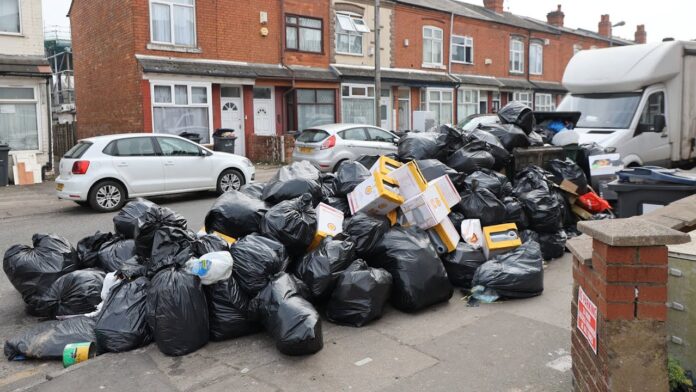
{"x": 480, "y": 203}
{"x": 516, "y": 274}
{"x": 122, "y": 324}
{"x": 208, "y": 243}
{"x": 491, "y": 180}
{"x": 228, "y": 311}
{"x": 319, "y": 268}
{"x": 128, "y": 221}
{"x": 531, "y": 178}
{"x": 114, "y": 252}
{"x": 433, "y": 169}
{"x": 514, "y": 213}
{"x": 301, "y": 169}
{"x": 177, "y": 312}
{"x": 293, "y": 322}
{"x": 170, "y": 246}
{"x": 256, "y": 260}
{"x": 88, "y": 248}
{"x": 510, "y": 135}
{"x": 461, "y": 264}
{"x": 420, "y": 279}
{"x": 33, "y": 269}
{"x": 155, "y": 218}
{"x": 544, "y": 210}
{"x": 348, "y": 176}
{"x": 518, "y": 114}
{"x": 360, "y": 295}
{"x": 472, "y": 157}
{"x": 293, "y": 223}
{"x": 254, "y": 190}
{"x": 277, "y": 191}
{"x": 501, "y": 156}
{"x": 365, "y": 232}
{"x": 552, "y": 244}
{"x": 422, "y": 145}
{"x": 77, "y": 292}
{"x": 48, "y": 339}
{"x": 569, "y": 171}
{"x": 235, "y": 214}
{"x": 339, "y": 203}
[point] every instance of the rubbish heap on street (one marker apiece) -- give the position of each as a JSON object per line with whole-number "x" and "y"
{"x": 451, "y": 209}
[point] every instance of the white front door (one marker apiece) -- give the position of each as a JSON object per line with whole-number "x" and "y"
{"x": 233, "y": 118}
{"x": 385, "y": 110}
{"x": 264, "y": 111}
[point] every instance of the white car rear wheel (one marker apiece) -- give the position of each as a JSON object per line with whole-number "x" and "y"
{"x": 107, "y": 196}
{"x": 230, "y": 180}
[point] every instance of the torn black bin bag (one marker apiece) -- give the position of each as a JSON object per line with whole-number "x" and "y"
{"x": 319, "y": 268}
{"x": 328, "y": 185}
{"x": 228, "y": 311}
{"x": 516, "y": 274}
{"x": 360, "y": 295}
{"x": 293, "y": 223}
{"x": 472, "y": 157}
{"x": 293, "y": 322}
{"x": 514, "y": 213}
{"x": 128, "y": 221}
{"x": 348, "y": 176}
{"x": 208, "y": 243}
{"x": 339, "y": 203}
{"x": 77, "y": 292}
{"x": 552, "y": 244}
{"x": 33, "y": 269}
{"x": 531, "y": 178}
{"x": 177, "y": 312}
{"x": 256, "y": 260}
{"x": 278, "y": 191}
{"x": 480, "y": 203}
{"x": 491, "y": 180}
{"x": 518, "y": 114}
{"x": 235, "y": 214}
{"x": 366, "y": 232}
{"x": 132, "y": 269}
{"x": 544, "y": 210}
{"x": 529, "y": 235}
{"x": 453, "y": 139}
{"x": 510, "y": 135}
{"x": 122, "y": 324}
{"x": 422, "y": 145}
{"x": 155, "y": 218}
{"x": 48, "y": 339}
{"x": 88, "y": 248}
{"x": 254, "y": 190}
{"x": 171, "y": 246}
{"x": 569, "y": 171}
{"x": 114, "y": 252}
{"x": 419, "y": 277}
{"x": 462, "y": 264}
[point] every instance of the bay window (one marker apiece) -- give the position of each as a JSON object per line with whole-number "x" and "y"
{"x": 432, "y": 46}
{"x": 440, "y": 104}
{"x": 462, "y": 49}
{"x": 173, "y": 22}
{"x": 467, "y": 103}
{"x": 9, "y": 17}
{"x": 315, "y": 107}
{"x": 349, "y": 34}
{"x": 544, "y": 103}
{"x": 516, "y": 55}
{"x": 303, "y": 34}
{"x": 19, "y": 120}
{"x": 536, "y": 58}
{"x": 181, "y": 108}
{"x": 358, "y": 103}
{"x": 524, "y": 97}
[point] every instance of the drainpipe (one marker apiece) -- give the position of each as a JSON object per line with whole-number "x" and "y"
{"x": 378, "y": 66}
{"x": 49, "y": 103}
{"x": 529, "y": 63}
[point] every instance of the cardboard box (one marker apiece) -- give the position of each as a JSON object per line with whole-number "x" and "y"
{"x": 500, "y": 239}
{"x": 377, "y": 195}
{"x": 410, "y": 180}
{"x": 226, "y": 238}
{"x": 329, "y": 223}
{"x": 447, "y": 234}
{"x": 426, "y": 209}
{"x": 385, "y": 165}
{"x": 449, "y": 192}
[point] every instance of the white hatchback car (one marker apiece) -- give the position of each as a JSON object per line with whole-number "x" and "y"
{"x": 105, "y": 171}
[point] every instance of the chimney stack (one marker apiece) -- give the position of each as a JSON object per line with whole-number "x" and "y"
{"x": 555, "y": 18}
{"x": 494, "y": 5}
{"x": 605, "y": 26}
{"x": 641, "y": 36}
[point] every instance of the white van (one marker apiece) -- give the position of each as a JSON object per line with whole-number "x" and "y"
{"x": 638, "y": 99}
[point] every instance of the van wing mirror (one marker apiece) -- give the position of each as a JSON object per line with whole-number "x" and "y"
{"x": 659, "y": 123}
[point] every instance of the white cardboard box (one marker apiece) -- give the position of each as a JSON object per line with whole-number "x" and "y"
{"x": 410, "y": 180}
{"x": 448, "y": 234}
{"x": 426, "y": 209}
{"x": 449, "y": 192}
{"x": 329, "y": 223}
{"x": 377, "y": 195}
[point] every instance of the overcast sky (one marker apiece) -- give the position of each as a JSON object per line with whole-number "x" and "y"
{"x": 664, "y": 18}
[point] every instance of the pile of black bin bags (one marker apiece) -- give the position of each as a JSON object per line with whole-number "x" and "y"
{"x": 126, "y": 289}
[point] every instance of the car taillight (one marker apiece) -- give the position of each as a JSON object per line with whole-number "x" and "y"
{"x": 329, "y": 143}
{"x": 80, "y": 167}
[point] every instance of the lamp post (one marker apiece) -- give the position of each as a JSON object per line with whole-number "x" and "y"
{"x": 378, "y": 66}
{"x": 611, "y": 32}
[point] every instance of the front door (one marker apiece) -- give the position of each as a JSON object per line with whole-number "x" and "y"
{"x": 264, "y": 111}
{"x": 385, "y": 109}
{"x": 233, "y": 118}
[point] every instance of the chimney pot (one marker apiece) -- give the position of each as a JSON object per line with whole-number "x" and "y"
{"x": 494, "y": 5}
{"x": 555, "y": 18}
{"x": 641, "y": 35}
{"x": 605, "y": 26}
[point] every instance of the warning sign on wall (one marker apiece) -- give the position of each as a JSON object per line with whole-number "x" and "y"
{"x": 587, "y": 319}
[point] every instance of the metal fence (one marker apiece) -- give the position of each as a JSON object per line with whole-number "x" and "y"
{"x": 64, "y": 138}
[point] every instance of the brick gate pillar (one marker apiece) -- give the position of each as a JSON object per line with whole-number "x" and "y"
{"x": 621, "y": 267}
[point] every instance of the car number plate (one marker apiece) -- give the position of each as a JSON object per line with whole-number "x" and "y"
{"x": 59, "y": 187}
{"x": 306, "y": 150}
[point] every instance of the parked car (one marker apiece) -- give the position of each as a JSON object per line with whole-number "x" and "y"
{"x": 473, "y": 121}
{"x": 105, "y": 171}
{"x": 328, "y": 146}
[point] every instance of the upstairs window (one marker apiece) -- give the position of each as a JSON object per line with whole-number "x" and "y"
{"x": 303, "y": 34}
{"x": 432, "y": 46}
{"x": 516, "y": 55}
{"x": 349, "y": 34}
{"x": 9, "y": 16}
{"x": 462, "y": 49}
{"x": 173, "y": 22}
{"x": 536, "y": 58}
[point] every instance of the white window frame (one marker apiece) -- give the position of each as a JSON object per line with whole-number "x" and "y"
{"x": 468, "y": 43}
{"x": 366, "y": 96}
{"x": 544, "y": 102}
{"x": 356, "y": 31}
{"x": 39, "y": 117}
{"x": 524, "y": 96}
{"x": 516, "y": 53}
{"x": 190, "y": 104}
{"x": 495, "y": 97}
{"x": 536, "y": 60}
{"x": 440, "y": 101}
{"x": 171, "y": 6}
{"x": 473, "y": 101}
{"x": 21, "y": 25}
{"x": 429, "y": 62}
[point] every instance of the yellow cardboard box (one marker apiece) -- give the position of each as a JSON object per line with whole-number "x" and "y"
{"x": 426, "y": 209}
{"x": 447, "y": 234}
{"x": 385, "y": 165}
{"x": 500, "y": 239}
{"x": 329, "y": 223}
{"x": 377, "y": 195}
{"x": 410, "y": 180}
{"x": 449, "y": 192}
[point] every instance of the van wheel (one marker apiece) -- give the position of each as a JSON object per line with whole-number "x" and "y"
{"x": 107, "y": 196}
{"x": 230, "y": 180}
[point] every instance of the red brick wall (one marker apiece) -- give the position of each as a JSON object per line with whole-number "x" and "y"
{"x": 315, "y": 9}
{"x": 408, "y": 24}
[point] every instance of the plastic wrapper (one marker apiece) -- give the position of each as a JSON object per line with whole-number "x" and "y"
{"x": 177, "y": 312}
{"x": 208, "y": 243}
{"x": 422, "y": 145}
{"x": 480, "y": 203}
{"x": 301, "y": 169}
{"x": 88, "y": 249}
{"x": 552, "y": 244}
{"x": 278, "y": 191}
{"x": 128, "y": 221}
{"x": 519, "y": 114}
{"x": 171, "y": 246}
{"x": 531, "y": 178}
{"x": 228, "y": 310}
{"x": 510, "y": 135}
{"x": 365, "y": 232}
{"x": 472, "y": 157}
{"x": 514, "y": 213}
{"x": 348, "y": 176}
{"x": 320, "y": 267}
{"x": 293, "y": 223}
{"x": 253, "y": 190}
{"x": 122, "y": 325}
{"x": 516, "y": 274}
{"x": 544, "y": 210}
{"x": 155, "y": 218}
{"x": 212, "y": 267}
{"x": 235, "y": 214}
{"x": 491, "y": 180}
{"x": 461, "y": 264}
{"x": 256, "y": 260}
{"x": 569, "y": 171}
{"x": 419, "y": 277}
{"x": 33, "y": 269}
{"x": 293, "y": 322}
{"x": 47, "y": 340}
{"x": 360, "y": 295}
{"x": 77, "y": 292}
{"x": 114, "y": 252}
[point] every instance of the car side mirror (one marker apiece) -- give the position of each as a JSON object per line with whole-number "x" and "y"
{"x": 205, "y": 153}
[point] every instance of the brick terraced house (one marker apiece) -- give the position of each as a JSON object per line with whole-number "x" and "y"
{"x": 267, "y": 67}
